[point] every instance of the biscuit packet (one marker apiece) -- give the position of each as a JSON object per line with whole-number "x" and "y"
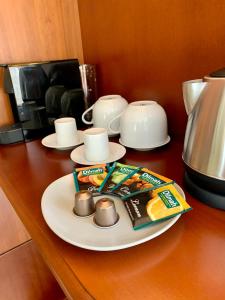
{"x": 155, "y": 206}
{"x": 90, "y": 178}
{"x": 118, "y": 173}
{"x": 143, "y": 180}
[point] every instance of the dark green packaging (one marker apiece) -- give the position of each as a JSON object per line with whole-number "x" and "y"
{"x": 143, "y": 180}
{"x": 90, "y": 178}
{"x": 118, "y": 173}
{"x": 155, "y": 206}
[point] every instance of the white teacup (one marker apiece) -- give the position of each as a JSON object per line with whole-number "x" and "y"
{"x": 66, "y": 132}
{"x": 104, "y": 110}
{"x": 96, "y": 144}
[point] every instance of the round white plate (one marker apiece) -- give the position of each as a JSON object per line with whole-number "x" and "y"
{"x": 117, "y": 151}
{"x": 146, "y": 149}
{"x": 50, "y": 141}
{"x": 57, "y": 208}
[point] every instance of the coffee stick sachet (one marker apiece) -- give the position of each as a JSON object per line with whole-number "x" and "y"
{"x": 143, "y": 180}
{"x": 118, "y": 173}
{"x": 90, "y": 178}
{"x": 155, "y": 206}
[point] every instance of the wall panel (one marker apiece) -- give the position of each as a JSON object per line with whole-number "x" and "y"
{"x": 145, "y": 49}
{"x": 37, "y": 30}
{"x": 15, "y": 233}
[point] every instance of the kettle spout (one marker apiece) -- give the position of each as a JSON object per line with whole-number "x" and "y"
{"x": 191, "y": 91}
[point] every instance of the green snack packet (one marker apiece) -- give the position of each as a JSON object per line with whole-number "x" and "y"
{"x": 143, "y": 180}
{"x": 90, "y": 178}
{"x": 117, "y": 174}
{"x": 155, "y": 206}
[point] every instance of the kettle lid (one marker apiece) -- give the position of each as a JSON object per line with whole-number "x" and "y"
{"x": 218, "y": 73}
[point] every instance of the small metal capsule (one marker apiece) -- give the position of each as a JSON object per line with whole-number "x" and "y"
{"x": 83, "y": 204}
{"x": 105, "y": 213}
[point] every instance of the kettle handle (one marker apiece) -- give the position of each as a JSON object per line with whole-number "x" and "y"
{"x": 86, "y": 111}
{"x": 110, "y": 123}
{"x": 192, "y": 90}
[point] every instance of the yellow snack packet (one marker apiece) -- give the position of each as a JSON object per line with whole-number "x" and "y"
{"x": 155, "y": 206}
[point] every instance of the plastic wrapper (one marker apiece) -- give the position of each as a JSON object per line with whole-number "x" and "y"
{"x": 118, "y": 173}
{"x": 143, "y": 180}
{"x": 155, "y": 206}
{"x": 90, "y": 178}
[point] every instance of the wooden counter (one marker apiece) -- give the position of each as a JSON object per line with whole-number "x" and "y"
{"x": 187, "y": 261}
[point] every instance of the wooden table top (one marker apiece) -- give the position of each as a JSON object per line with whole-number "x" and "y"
{"x": 187, "y": 261}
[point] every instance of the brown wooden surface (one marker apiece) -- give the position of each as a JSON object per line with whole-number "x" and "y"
{"x": 24, "y": 276}
{"x": 146, "y": 49}
{"x": 12, "y": 229}
{"x": 186, "y": 262}
{"x": 6, "y": 116}
{"x": 37, "y": 30}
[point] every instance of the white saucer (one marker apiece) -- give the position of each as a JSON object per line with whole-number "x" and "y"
{"x": 146, "y": 149}
{"x": 50, "y": 141}
{"x": 117, "y": 151}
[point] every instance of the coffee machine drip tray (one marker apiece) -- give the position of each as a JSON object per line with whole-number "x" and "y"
{"x": 10, "y": 134}
{"x": 201, "y": 190}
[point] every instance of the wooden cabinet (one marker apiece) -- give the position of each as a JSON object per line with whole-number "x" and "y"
{"x": 12, "y": 229}
{"x": 24, "y": 276}
{"x": 6, "y": 116}
{"x": 23, "y": 273}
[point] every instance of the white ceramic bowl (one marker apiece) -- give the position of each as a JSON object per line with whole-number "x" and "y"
{"x": 143, "y": 125}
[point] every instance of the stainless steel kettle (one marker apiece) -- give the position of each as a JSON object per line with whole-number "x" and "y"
{"x": 204, "y": 144}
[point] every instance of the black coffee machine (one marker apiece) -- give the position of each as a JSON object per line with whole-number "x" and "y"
{"x": 39, "y": 93}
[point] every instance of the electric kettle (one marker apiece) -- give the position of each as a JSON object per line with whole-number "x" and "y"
{"x": 204, "y": 144}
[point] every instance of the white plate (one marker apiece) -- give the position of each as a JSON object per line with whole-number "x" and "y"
{"x": 50, "y": 141}
{"x": 146, "y": 149}
{"x": 57, "y": 205}
{"x": 117, "y": 151}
